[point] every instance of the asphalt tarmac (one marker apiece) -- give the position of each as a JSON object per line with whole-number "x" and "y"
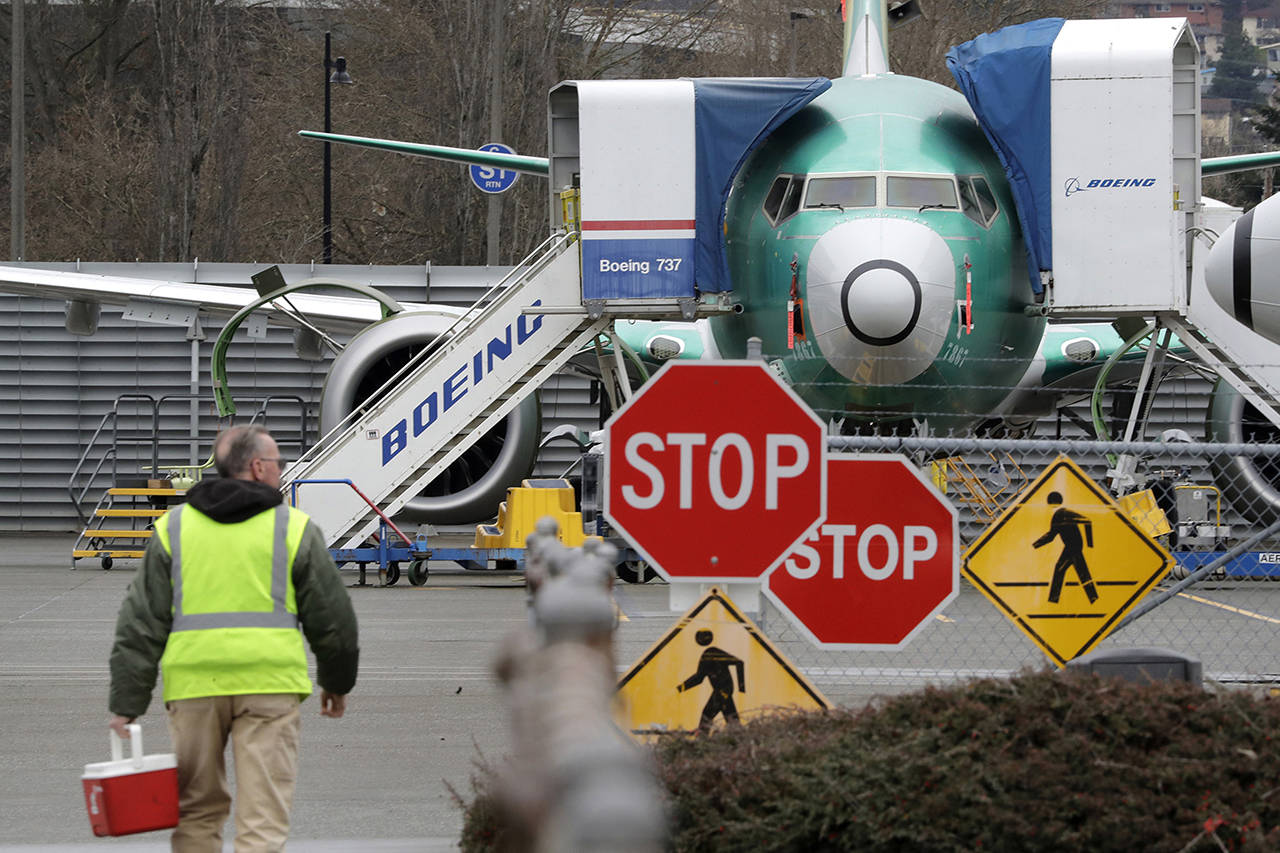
{"x": 425, "y": 710}
{"x": 427, "y": 707}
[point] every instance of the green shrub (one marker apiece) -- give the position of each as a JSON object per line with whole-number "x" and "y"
{"x": 1042, "y": 761}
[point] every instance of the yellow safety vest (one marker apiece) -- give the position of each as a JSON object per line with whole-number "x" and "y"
{"x": 235, "y": 618}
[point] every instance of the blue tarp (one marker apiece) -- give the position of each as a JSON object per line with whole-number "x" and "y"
{"x": 731, "y": 117}
{"x": 1005, "y": 77}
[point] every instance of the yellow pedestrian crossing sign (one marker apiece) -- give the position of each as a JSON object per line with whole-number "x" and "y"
{"x": 713, "y": 668}
{"x": 1064, "y": 562}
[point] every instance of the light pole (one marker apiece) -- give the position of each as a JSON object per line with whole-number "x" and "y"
{"x": 796, "y": 15}
{"x": 339, "y": 75}
{"x": 17, "y": 137}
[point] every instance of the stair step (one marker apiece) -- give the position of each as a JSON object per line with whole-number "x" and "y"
{"x": 117, "y": 534}
{"x": 150, "y": 493}
{"x": 106, "y": 553}
{"x": 130, "y": 513}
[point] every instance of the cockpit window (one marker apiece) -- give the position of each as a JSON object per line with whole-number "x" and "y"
{"x": 985, "y": 199}
{"x": 976, "y": 200}
{"x": 842, "y": 192}
{"x": 773, "y": 201}
{"x": 920, "y": 192}
{"x": 969, "y": 201}
{"x": 791, "y": 203}
{"x": 784, "y": 197}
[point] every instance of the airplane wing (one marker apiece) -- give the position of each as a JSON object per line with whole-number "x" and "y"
{"x": 540, "y": 165}
{"x": 511, "y": 162}
{"x": 1239, "y": 163}
{"x": 344, "y": 314}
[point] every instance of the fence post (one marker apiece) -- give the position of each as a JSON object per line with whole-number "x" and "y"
{"x": 576, "y": 782}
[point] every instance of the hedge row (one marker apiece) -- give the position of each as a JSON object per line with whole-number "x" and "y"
{"x": 1042, "y": 761}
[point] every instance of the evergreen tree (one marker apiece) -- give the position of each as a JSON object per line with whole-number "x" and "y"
{"x": 1266, "y": 119}
{"x": 1238, "y": 62}
{"x": 1234, "y": 77}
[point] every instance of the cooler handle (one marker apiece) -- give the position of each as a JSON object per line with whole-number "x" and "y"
{"x": 135, "y": 745}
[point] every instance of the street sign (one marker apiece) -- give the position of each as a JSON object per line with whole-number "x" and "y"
{"x": 714, "y": 470}
{"x": 491, "y": 179}
{"x": 882, "y": 564}
{"x": 1064, "y": 562}
{"x": 713, "y": 668}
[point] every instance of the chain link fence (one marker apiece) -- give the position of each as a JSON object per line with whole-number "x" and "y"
{"x": 1212, "y": 506}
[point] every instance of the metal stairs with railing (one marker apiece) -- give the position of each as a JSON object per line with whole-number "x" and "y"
{"x": 1259, "y": 384}
{"x": 426, "y": 416}
{"x": 121, "y": 506}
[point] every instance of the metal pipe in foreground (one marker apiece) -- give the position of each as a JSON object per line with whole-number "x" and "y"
{"x": 576, "y": 782}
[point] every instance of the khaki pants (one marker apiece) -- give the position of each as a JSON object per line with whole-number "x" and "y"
{"x": 264, "y": 736}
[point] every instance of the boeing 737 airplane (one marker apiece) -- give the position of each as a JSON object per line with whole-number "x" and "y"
{"x": 881, "y": 215}
{"x": 874, "y": 247}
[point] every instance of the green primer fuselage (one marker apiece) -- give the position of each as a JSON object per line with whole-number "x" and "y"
{"x": 883, "y": 124}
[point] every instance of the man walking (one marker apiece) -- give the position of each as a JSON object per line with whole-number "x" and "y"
{"x": 216, "y": 606}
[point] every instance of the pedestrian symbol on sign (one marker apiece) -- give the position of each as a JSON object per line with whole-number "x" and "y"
{"x": 715, "y": 666}
{"x": 718, "y": 644}
{"x": 1066, "y": 525}
{"x": 1011, "y": 566}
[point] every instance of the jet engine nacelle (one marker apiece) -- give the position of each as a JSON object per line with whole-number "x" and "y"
{"x": 1242, "y": 273}
{"x": 473, "y": 486}
{"x": 1251, "y": 484}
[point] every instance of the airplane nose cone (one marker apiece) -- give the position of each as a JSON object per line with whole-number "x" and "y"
{"x": 881, "y": 294}
{"x": 881, "y": 302}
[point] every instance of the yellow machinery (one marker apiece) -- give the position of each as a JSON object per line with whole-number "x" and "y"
{"x": 527, "y": 503}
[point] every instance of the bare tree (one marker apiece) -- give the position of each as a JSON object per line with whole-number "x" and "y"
{"x": 168, "y": 130}
{"x": 198, "y": 71}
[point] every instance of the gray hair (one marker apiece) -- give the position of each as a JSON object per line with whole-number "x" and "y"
{"x": 236, "y": 448}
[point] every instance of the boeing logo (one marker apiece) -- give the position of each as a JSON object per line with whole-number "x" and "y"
{"x": 1073, "y": 184}
{"x": 454, "y": 388}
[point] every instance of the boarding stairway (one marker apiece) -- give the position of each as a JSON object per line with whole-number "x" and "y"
{"x": 1259, "y": 384}
{"x": 421, "y": 420}
{"x": 121, "y": 483}
{"x": 132, "y": 513}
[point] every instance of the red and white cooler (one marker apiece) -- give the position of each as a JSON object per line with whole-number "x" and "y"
{"x": 135, "y": 794}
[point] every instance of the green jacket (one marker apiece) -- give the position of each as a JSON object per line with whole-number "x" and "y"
{"x": 324, "y": 608}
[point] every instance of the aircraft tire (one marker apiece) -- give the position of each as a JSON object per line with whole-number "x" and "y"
{"x": 635, "y": 571}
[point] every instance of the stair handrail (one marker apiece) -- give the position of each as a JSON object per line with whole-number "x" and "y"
{"x": 77, "y": 500}
{"x": 293, "y": 499}
{"x": 110, "y": 418}
{"x": 155, "y": 427}
{"x": 302, "y": 415}
{"x": 547, "y": 250}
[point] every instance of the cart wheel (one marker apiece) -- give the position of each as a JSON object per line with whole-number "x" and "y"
{"x": 418, "y": 572}
{"x": 393, "y": 573}
{"x": 106, "y": 564}
{"x": 635, "y": 571}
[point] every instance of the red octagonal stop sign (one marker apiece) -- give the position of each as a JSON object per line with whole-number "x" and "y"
{"x": 714, "y": 470}
{"x": 885, "y": 560}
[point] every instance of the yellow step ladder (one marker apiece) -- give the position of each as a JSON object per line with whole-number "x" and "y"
{"x": 98, "y": 541}
{"x": 525, "y": 504}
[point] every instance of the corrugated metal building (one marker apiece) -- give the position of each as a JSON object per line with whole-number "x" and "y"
{"x": 56, "y": 388}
